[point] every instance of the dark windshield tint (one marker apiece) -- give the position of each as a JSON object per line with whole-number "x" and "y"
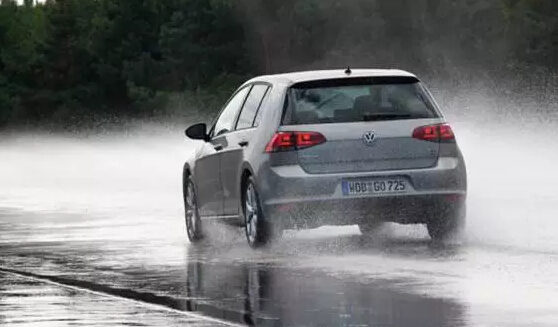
{"x": 360, "y": 101}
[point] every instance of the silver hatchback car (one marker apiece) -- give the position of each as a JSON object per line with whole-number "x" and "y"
{"x": 331, "y": 147}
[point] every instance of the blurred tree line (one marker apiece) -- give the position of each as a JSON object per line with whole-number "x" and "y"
{"x": 69, "y": 60}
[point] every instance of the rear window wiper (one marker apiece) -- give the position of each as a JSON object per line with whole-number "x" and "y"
{"x": 385, "y": 116}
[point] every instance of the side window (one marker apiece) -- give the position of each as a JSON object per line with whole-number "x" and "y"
{"x": 226, "y": 119}
{"x": 251, "y": 106}
{"x": 260, "y": 109}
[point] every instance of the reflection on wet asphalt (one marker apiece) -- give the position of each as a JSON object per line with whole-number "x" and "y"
{"x": 301, "y": 281}
{"x": 25, "y": 302}
{"x": 266, "y": 289}
{"x": 281, "y": 297}
{"x": 325, "y": 277}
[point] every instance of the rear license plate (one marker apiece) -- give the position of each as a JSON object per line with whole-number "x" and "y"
{"x": 375, "y": 186}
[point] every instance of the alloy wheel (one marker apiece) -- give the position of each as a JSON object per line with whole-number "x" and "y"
{"x": 252, "y": 214}
{"x": 193, "y": 222}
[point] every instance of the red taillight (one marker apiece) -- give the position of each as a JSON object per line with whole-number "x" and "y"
{"x": 280, "y": 141}
{"x": 285, "y": 141}
{"x": 434, "y": 133}
{"x": 446, "y": 133}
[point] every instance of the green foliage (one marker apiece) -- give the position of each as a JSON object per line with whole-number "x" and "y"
{"x": 22, "y": 30}
{"x": 89, "y": 58}
{"x": 532, "y": 28}
{"x": 65, "y": 60}
{"x": 200, "y": 41}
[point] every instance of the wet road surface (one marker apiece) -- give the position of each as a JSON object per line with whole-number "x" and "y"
{"x": 106, "y": 216}
{"x": 273, "y": 287}
{"x": 27, "y": 301}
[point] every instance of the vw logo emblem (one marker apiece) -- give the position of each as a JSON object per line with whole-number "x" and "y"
{"x": 368, "y": 138}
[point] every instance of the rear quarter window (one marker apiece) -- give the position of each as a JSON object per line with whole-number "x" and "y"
{"x": 251, "y": 106}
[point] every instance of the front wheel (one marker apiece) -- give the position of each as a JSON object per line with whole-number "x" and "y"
{"x": 192, "y": 217}
{"x": 257, "y": 229}
{"x": 448, "y": 225}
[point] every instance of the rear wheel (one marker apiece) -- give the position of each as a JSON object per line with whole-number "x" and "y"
{"x": 448, "y": 225}
{"x": 192, "y": 217}
{"x": 257, "y": 228}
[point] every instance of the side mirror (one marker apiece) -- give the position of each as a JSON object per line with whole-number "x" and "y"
{"x": 197, "y": 132}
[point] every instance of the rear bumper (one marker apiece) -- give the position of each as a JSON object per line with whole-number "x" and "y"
{"x": 293, "y": 197}
{"x": 400, "y": 209}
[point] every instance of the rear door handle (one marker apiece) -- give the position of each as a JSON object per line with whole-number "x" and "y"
{"x": 218, "y": 147}
{"x": 243, "y": 143}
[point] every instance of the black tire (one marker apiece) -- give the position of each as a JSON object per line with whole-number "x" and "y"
{"x": 449, "y": 224}
{"x": 257, "y": 229}
{"x": 191, "y": 213}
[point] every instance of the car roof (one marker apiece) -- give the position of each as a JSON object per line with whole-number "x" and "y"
{"x": 311, "y": 75}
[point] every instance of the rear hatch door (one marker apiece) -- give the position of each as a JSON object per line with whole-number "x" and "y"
{"x": 368, "y": 123}
{"x": 367, "y": 146}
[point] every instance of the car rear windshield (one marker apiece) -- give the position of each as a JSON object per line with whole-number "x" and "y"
{"x": 357, "y": 99}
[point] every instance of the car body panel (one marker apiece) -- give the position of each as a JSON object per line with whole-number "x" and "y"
{"x": 208, "y": 183}
{"x": 232, "y": 158}
{"x": 392, "y": 147}
{"x": 304, "y": 76}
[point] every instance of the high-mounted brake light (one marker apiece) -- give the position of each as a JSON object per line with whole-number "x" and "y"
{"x": 434, "y": 133}
{"x": 286, "y": 141}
